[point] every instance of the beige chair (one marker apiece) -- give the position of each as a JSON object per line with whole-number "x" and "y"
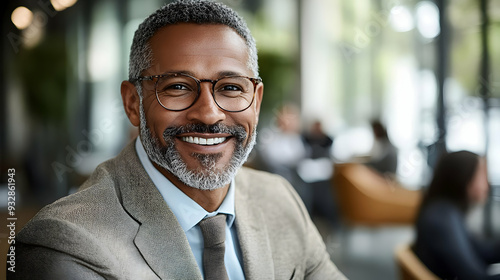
{"x": 410, "y": 266}
{"x": 367, "y": 198}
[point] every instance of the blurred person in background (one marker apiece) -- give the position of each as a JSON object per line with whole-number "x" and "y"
{"x": 319, "y": 143}
{"x": 317, "y": 169}
{"x": 282, "y": 149}
{"x": 383, "y": 156}
{"x": 149, "y": 213}
{"x": 443, "y": 242}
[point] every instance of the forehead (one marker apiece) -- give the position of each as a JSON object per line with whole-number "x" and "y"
{"x": 176, "y": 47}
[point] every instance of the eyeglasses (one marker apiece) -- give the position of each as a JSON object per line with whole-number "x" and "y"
{"x": 179, "y": 91}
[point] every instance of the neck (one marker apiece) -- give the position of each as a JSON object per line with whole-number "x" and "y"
{"x": 208, "y": 200}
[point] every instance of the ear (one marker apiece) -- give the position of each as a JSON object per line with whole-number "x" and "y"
{"x": 131, "y": 102}
{"x": 259, "y": 94}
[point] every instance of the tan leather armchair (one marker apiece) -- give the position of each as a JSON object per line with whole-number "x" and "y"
{"x": 368, "y": 198}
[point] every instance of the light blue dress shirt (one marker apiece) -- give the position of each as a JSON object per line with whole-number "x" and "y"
{"x": 189, "y": 214}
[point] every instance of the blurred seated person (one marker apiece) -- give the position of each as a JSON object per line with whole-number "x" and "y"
{"x": 282, "y": 149}
{"x": 316, "y": 164}
{"x": 383, "y": 156}
{"x": 318, "y": 142}
{"x": 317, "y": 169}
{"x": 443, "y": 243}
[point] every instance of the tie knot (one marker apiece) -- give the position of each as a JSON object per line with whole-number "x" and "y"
{"x": 213, "y": 230}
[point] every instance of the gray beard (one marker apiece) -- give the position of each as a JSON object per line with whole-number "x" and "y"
{"x": 209, "y": 177}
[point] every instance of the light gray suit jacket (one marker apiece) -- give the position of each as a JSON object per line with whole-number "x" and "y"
{"x": 119, "y": 227}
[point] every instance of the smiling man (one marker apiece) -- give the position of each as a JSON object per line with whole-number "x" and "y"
{"x": 176, "y": 203}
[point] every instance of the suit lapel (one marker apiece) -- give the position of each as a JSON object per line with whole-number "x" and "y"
{"x": 252, "y": 233}
{"x": 160, "y": 238}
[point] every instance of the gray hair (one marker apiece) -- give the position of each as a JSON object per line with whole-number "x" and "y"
{"x": 186, "y": 11}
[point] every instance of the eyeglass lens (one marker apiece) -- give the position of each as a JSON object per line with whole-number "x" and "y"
{"x": 178, "y": 92}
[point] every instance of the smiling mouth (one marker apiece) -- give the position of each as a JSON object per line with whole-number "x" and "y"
{"x": 203, "y": 141}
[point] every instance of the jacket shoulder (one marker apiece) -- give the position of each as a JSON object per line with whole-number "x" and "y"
{"x": 97, "y": 203}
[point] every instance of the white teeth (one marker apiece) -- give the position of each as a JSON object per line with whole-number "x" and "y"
{"x": 204, "y": 141}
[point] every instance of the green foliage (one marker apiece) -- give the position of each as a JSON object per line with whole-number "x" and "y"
{"x": 279, "y": 75}
{"x": 43, "y": 73}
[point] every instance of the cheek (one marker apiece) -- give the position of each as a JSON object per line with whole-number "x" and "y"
{"x": 483, "y": 184}
{"x": 247, "y": 119}
{"x": 478, "y": 191}
{"x": 158, "y": 122}
{"x": 485, "y": 190}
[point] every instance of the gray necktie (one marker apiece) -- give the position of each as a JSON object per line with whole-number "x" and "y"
{"x": 214, "y": 235}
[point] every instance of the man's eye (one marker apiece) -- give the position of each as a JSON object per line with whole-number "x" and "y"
{"x": 177, "y": 87}
{"x": 174, "y": 88}
{"x": 231, "y": 88}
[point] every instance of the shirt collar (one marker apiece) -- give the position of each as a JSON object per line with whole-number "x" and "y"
{"x": 188, "y": 212}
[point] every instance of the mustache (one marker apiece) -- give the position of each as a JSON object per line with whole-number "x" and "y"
{"x": 236, "y": 131}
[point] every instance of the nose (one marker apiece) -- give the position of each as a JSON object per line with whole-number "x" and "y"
{"x": 205, "y": 110}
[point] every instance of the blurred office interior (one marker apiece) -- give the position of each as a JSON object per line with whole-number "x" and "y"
{"x": 428, "y": 70}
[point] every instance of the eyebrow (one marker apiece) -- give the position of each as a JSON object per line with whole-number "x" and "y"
{"x": 219, "y": 74}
